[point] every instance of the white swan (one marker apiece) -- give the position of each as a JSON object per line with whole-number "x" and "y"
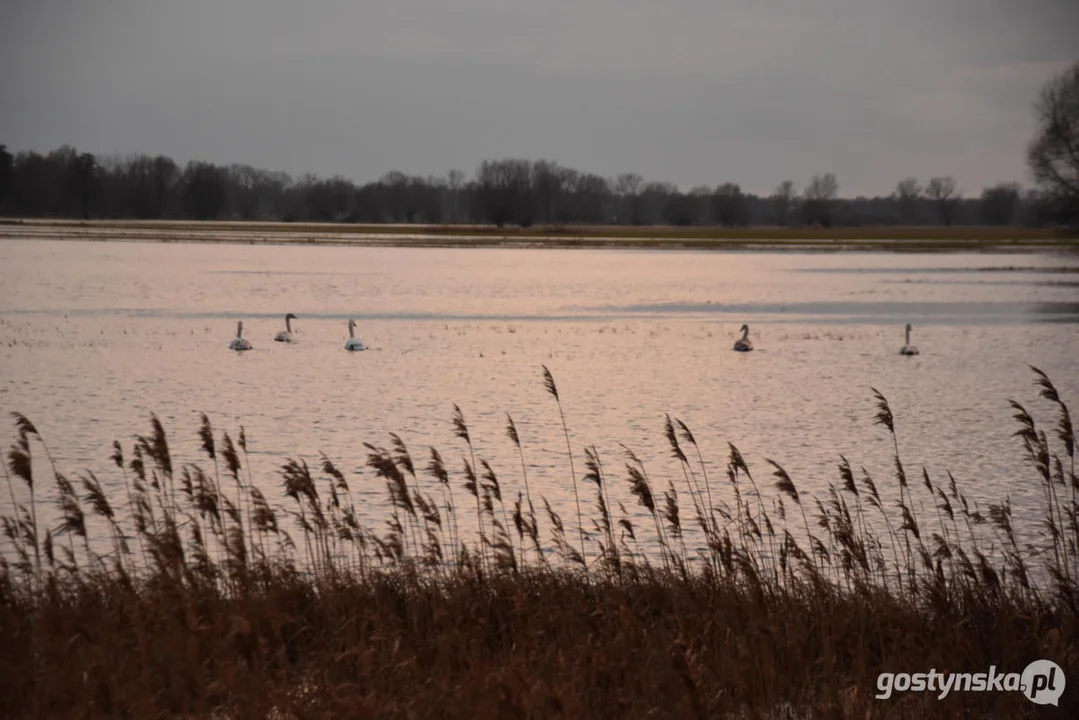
{"x": 286, "y": 334}
{"x": 238, "y": 342}
{"x": 908, "y": 349}
{"x": 353, "y": 342}
{"x": 743, "y": 344}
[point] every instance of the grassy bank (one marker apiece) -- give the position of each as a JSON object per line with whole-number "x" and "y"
{"x": 898, "y": 238}
{"x": 733, "y": 596}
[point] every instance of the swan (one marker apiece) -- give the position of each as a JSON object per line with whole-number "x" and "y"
{"x": 743, "y": 344}
{"x": 353, "y": 342}
{"x": 286, "y": 334}
{"x": 238, "y": 342}
{"x": 908, "y": 349}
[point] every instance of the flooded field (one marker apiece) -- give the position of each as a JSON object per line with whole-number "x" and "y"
{"x": 96, "y": 336}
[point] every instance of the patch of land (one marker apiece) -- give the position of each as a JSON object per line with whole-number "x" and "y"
{"x": 890, "y": 238}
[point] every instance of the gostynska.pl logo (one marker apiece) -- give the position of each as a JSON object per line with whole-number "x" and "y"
{"x": 1041, "y": 682}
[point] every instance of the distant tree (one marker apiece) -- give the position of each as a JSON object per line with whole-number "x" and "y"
{"x": 370, "y": 204}
{"x": 419, "y": 207}
{"x": 548, "y": 181}
{"x": 679, "y": 209}
{"x": 701, "y": 198}
{"x": 66, "y": 183}
{"x": 628, "y": 184}
{"x": 627, "y": 187}
{"x": 204, "y": 196}
{"x": 654, "y": 198}
{"x": 327, "y": 200}
{"x": 591, "y": 198}
{"x": 782, "y": 199}
{"x": 455, "y": 182}
{"x": 37, "y": 185}
{"x": 165, "y": 175}
{"x": 523, "y": 202}
{"x": 82, "y": 181}
{"x": 505, "y": 190}
{"x": 395, "y": 195}
{"x": 132, "y": 190}
{"x": 907, "y": 193}
{"x": 819, "y": 199}
{"x": 1036, "y": 209}
{"x": 242, "y": 191}
{"x": 7, "y": 171}
{"x": 569, "y": 183}
{"x": 729, "y": 205}
{"x": 1053, "y": 154}
{"x": 999, "y": 204}
{"x": 942, "y": 191}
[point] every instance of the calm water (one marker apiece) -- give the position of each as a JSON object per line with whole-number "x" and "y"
{"x": 95, "y": 336}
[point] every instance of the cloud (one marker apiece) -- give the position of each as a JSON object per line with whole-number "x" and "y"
{"x": 690, "y": 91}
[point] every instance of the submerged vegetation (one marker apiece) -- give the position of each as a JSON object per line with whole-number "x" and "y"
{"x": 189, "y": 594}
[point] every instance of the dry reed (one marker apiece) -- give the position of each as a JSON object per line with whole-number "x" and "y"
{"x": 224, "y": 607}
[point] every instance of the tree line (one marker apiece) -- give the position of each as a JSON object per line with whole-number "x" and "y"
{"x": 65, "y": 183}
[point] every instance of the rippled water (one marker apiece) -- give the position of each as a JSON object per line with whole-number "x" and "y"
{"x": 96, "y": 336}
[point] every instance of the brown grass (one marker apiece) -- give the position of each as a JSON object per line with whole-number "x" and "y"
{"x": 918, "y": 238}
{"x": 194, "y": 598}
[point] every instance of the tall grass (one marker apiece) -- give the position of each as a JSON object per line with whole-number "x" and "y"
{"x": 199, "y": 598}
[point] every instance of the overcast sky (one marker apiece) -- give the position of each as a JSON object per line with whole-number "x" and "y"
{"x": 685, "y": 91}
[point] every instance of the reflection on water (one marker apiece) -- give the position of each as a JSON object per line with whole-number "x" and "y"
{"x": 95, "y": 336}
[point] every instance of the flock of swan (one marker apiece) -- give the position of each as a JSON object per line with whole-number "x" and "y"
{"x": 240, "y": 343}
{"x": 743, "y": 343}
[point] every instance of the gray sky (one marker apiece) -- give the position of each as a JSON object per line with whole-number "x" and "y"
{"x": 685, "y": 91}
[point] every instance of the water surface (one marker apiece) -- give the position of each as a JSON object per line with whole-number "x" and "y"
{"x": 96, "y": 336}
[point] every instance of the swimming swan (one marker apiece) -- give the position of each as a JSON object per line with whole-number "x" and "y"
{"x": 908, "y": 349}
{"x": 353, "y": 343}
{"x": 286, "y": 334}
{"x": 743, "y": 344}
{"x": 238, "y": 342}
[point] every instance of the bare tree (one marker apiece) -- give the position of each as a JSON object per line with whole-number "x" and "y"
{"x": 7, "y": 170}
{"x": 819, "y": 197}
{"x": 242, "y": 191}
{"x": 782, "y": 199}
{"x": 591, "y": 198}
{"x": 908, "y": 192}
{"x": 506, "y": 191}
{"x": 699, "y": 198}
{"x": 627, "y": 187}
{"x": 1000, "y": 204}
{"x": 628, "y": 183}
{"x": 729, "y": 206}
{"x": 82, "y": 181}
{"x": 655, "y": 199}
{"x": 204, "y": 191}
{"x": 822, "y": 187}
{"x": 1053, "y": 154}
{"x": 395, "y": 183}
{"x": 548, "y": 180}
{"x": 942, "y": 191}
{"x": 455, "y": 181}
{"x": 165, "y": 175}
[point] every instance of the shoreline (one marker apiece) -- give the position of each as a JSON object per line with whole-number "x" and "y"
{"x": 807, "y": 239}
